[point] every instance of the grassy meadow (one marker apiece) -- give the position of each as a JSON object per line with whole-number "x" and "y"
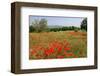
{"x": 61, "y": 44}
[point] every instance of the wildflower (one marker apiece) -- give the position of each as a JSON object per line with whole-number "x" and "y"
{"x": 49, "y": 51}
{"x": 32, "y": 51}
{"x": 59, "y": 49}
{"x": 60, "y": 56}
{"x": 66, "y": 48}
{"x": 69, "y": 54}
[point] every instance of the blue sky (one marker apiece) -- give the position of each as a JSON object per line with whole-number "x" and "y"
{"x": 56, "y": 20}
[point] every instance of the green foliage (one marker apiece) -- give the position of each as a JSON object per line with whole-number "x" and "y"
{"x": 76, "y": 52}
{"x": 76, "y": 30}
{"x": 31, "y": 29}
{"x": 35, "y": 25}
{"x": 84, "y": 24}
{"x": 38, "y": 25}
{"x": 43, "y": 24}
{"x": 64, "y": 28}
{"x": 44, "y": 28}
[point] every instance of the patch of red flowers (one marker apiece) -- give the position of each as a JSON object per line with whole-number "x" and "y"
{"x": 49, "y": 51}
{"x": 60, "y": 56}
{"x": 55, "y": 49}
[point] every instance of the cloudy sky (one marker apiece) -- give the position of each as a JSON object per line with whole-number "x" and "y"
{"x": 56, "y": 20}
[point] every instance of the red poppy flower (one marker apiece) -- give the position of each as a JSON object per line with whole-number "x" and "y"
{"x": 49, "y": 51}
{"x": 33, "y": 52}
{"x": 60, "y": 56}
{"x": 59, "y": 49}
{"x": 69, "y": 54}
{"x": 66, "y": 48}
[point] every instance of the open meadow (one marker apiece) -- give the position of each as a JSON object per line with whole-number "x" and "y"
{"x": 61, "y": 44}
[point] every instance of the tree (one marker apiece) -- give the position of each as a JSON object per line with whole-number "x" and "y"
{"x": 39, "y": 25}
{"x": 43, "y": 24}
{"x": 84, "y": 24}
{"x": 31, "y": 28}
{"x": 35, "y": 25}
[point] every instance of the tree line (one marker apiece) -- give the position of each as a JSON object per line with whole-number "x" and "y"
{"x": 42, "y": 25}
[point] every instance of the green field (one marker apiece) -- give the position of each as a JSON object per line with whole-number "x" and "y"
{"x": 61, "y": 44}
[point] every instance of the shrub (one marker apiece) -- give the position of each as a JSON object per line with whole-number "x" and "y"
{"x": 76, "y": 30}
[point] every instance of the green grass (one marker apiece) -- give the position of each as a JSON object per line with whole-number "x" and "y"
{"x": 77, "y": 41}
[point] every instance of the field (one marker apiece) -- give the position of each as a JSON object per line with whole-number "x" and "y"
{"x": 53, "y": 45}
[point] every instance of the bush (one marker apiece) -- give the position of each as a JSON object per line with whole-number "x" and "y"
{"x": 76, "y": 30}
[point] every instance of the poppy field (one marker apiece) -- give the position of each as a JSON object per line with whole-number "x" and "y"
{"x": 54, "y": 45}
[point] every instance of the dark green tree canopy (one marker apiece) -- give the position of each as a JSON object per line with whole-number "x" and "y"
{"x": 84, "y": 24}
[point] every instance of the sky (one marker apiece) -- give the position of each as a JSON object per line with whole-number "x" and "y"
{"x": 57, "y": 20}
